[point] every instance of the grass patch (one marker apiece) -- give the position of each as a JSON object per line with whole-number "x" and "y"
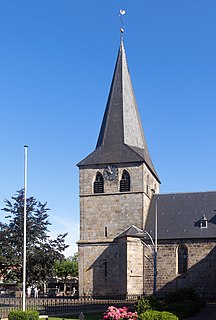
{"x": 88, "y": 316}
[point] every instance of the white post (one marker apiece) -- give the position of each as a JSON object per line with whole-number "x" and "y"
{"x": 24, "y": 228}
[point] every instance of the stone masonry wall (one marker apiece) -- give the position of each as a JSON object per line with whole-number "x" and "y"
{"x": 134, "y": 266}
{"x": 113, "y": 209}
{"x": 201, "y": 267}
{"x": 98, "y": 269}
{"x": 115, "y": 212}
{"x": 102, "y": 218}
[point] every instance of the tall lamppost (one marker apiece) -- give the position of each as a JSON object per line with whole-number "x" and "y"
{"x": 153, "y": 246}
{"x": 153, "y": 250}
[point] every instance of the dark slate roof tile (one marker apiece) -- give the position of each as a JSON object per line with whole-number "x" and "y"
{"x": 179, "y": 215}
{"x": 131, "y": 231}
{"x": 121, "y": 138}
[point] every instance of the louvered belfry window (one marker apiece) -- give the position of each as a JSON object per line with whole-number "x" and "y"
{"x": 125, "y": 182}
{"x": 99, "y": 183}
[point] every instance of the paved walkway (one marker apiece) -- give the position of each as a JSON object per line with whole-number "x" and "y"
{"x": 206, "y": 313}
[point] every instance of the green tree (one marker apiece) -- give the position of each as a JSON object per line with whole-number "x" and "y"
{"x": 67, "y": 268}
{"x": 41, "y": 250}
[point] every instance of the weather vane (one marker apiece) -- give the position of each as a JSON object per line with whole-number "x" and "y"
{"x": 121, "y": 14}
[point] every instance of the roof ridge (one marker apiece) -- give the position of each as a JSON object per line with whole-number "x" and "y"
{"x": 182, "y": 192}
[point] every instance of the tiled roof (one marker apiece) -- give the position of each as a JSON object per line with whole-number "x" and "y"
{"x": 131, "y": 231}
{"x": 179, "y": 215}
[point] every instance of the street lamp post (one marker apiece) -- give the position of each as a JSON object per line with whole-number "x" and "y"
{"x": 155, "y": 252}
{"x": 155, "y": 245}
{"x": 153, "y": 248}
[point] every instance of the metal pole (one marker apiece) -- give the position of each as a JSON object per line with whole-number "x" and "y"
{"x": 155, "y": 251}
{"x": 24, "y": 228}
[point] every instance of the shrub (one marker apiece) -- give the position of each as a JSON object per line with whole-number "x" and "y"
{"x": 184, "y": 308}
{"x": 157, "y": 315}
{"x": 149, "y": 303}
{"x": 181, "y": 295}
{"x": 113, "y": 313}
{"x": 183, "y": 302}
{"x": 23, "y": 315}
{"x": 143, "y": 305}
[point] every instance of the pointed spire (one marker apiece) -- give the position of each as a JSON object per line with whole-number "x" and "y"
{"x": 121, "y": 122}
{"x": 121, "y": 138}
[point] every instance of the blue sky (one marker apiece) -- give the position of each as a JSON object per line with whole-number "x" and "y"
{"x": 56, "y": 63}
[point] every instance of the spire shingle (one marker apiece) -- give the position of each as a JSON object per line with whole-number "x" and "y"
{"x": 121, "y": 138}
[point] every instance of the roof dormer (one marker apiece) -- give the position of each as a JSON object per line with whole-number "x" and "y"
{"x": 204, "y": 222}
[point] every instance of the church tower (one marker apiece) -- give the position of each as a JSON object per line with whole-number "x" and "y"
{"x": 116, "y": 182}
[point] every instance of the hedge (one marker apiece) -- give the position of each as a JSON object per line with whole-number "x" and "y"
{"x": 157, "y": 315}
{"x": 23, "y": 315}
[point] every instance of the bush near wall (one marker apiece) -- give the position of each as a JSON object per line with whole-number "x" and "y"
{"x": 148, "y": 303}
{"x": 157, "y": 315}
{"x": 23, "y": 315}
{"x": 183, "y": 303}
{"x": 181, "y": 295}
{"x": 184, "y": 308}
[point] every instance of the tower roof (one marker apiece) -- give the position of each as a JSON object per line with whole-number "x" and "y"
{"x": 121, "y": 138}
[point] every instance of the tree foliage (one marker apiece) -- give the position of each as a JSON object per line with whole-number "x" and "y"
{"x": 67, "y": 267}
{"x": 41, "y": 250}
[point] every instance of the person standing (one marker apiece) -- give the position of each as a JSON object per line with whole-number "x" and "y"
{"x": 36, "y": 292}
{"x": 29, "y": 292}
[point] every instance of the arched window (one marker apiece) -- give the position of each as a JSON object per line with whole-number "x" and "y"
{"x": 182, "y": 259}
{"x": 125, "y": 182}
{"x": 99, "y": 183}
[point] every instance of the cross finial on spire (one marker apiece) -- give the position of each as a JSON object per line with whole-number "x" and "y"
{"x": 121, "y": 13}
